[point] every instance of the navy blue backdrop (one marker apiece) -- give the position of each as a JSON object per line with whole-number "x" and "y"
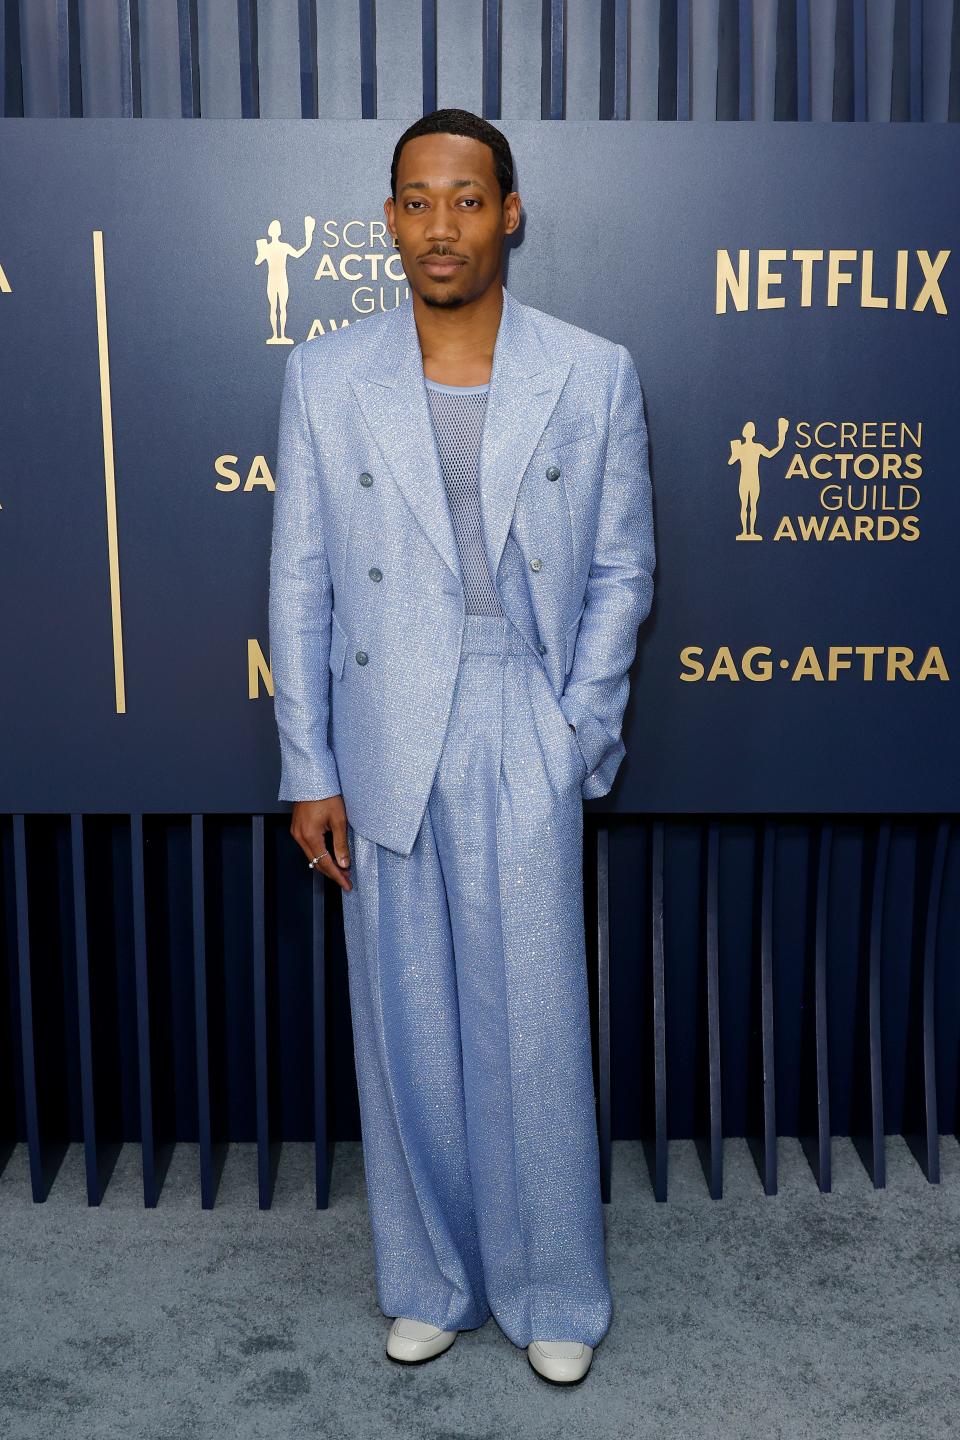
{"x": 799, "y": 658}
{"x": 773, "y": 889}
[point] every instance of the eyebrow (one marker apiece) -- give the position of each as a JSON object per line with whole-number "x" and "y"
{"x": 454, "y": 184}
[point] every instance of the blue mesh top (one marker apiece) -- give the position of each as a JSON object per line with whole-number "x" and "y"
{"x": 458, "y": 413}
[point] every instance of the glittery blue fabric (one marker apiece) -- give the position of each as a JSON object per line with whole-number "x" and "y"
{"x": 468, "y": 992}
{"x": 365, "y": 576}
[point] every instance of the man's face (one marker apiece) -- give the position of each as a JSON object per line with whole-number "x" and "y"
{"x": 449, "y": 221}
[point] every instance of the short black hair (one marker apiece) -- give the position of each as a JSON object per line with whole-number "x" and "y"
{"x": 460, "y": 122}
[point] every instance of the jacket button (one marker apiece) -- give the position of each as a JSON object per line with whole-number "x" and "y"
{"x": 553, "y": 472}
{"x": 366, "y": 478}
{"x": 375, "y": 574}
{"x": 362, "y": 657}
{"x": 542, "y": 648}
{"x": 536, "y": 564}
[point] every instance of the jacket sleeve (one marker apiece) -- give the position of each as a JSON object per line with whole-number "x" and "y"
{"x": 301, "y": 598}
{"x": 620, "y": 582}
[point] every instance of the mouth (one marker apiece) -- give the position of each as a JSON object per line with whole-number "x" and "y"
{"x": 440, "y": 265}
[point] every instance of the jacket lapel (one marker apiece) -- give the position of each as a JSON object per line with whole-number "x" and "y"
{"x": 524, "y": 388}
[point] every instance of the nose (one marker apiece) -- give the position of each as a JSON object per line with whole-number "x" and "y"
{"x": 442, "y": 222}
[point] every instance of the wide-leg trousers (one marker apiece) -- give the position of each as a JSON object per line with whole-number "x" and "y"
{"x": 468, "y": 992}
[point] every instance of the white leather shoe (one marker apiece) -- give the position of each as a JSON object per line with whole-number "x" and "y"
{"x": 562, "y": 1361}
{"x": 415, "y": 1340}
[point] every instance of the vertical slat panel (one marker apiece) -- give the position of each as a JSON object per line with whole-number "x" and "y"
{"x": 142, "y": 985}
{"x": 859, "y": 59}
{"x": 38, "y": 1184}
{"x": 281, "y": 55}
{"x": 307, "y": 40}
{"x": 938, "y": 18}
{"x": 822, "y": 1164}
{"x": 683, "y": 59}
{"x": 667, "y": 88}
{"x": 823, "y": 58}
{"x": 615, "y": 61}
{"x": 521, "y": 60}
{"x": 87, "y": 1098}
{"x": 404, "y": 63}
{"x": 460, "y": 56}
{"x": 201, "y": 1020}
{"x": 69, "y": 82}
{"x": 728, "y": 60}
{"x": 704, "y": 39}
{"x": 714, "y": 1167}
{"x": 491, "y": 97}
{"x": 11, "y": 1053}
{"x": 129, "y": 40}
{"x": 552, "y": 68}
{"x": 621, "y": 59}
{"x": 658, "y": 1165}
{"x": 603, "y": 1009}
{"x": 768, "y": 1172}
{"x": 584, "y": 59}
{"x": 901, "y": 61}
{"x": 888, "y": 60}
{"x": 368, "y": 60}
{"x": 916, "y": 60}
{"x": 260, "y": 1026}
{"x": 785, "y": 105}
{"x": 931, "y": 926}
{"x": 6, "y": 56}
{"x": 644, "y": 59}
{"x": 11, "y": 71}
{"x": 247, "y": 36}
{"x": 428, "y": 28}
{"x": 188, "y": 30}
{"x": 323, "y": 1150}
{"x": 39, "y": 59}
{"x": 159, "y": 62}
{"x": 843, "y": 102}
{"x": 877, "y": 898}
{"x": 220, "y": 59}
{"x": 804, "y": 82}
{"x": 764, "y": 59}
{"x": 745, "y": 38}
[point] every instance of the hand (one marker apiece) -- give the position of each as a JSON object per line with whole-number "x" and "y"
{"x": 312, "y": 819}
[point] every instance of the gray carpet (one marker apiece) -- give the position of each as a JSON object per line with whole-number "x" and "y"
{"x": 798, "y": 1315}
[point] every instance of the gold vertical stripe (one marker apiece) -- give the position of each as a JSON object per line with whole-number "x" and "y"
{"x": 108, "y": 471}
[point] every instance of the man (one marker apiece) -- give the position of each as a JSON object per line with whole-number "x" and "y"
{"x": 462, "y": 556}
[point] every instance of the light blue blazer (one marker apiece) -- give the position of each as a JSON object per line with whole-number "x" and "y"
{"x": 366, "y": 607}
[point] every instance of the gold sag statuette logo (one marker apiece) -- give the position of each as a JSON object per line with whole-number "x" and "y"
{"x": 360, "y": 257}
{"x": 852, "y": 478}
{"x": 747, "y": 452}
{"x": 274, "y": 253}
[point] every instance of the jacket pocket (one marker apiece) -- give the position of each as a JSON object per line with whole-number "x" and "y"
{"x": 338, "y": 645}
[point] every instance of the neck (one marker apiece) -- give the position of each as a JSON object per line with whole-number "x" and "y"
{"x": 457, "y": 344}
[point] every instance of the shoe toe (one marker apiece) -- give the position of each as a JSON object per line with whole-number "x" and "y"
{"x": 560, "y": 1360}
{"x": 414, "y": 1340}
